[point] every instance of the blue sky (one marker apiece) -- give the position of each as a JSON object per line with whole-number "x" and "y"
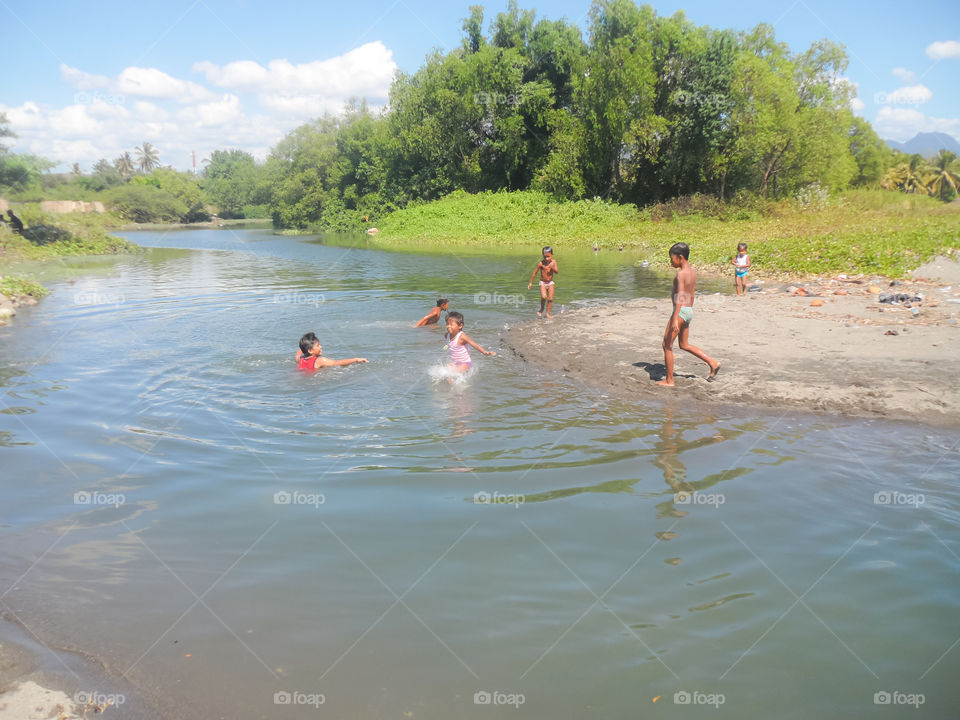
{"x": 87, "y": 81}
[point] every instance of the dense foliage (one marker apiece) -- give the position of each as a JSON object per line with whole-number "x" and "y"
{"x": 643, "y": 110}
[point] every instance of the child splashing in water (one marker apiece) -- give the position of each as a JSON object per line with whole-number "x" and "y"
{"x": 458, "y": 341}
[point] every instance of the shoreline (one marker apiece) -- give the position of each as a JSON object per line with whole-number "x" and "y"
{"x": 205, "y": 224}
{"x": 851, "y": 355}
{"x": 40, "y": 681}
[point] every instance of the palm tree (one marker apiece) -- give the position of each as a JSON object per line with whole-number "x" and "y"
{"x": 902, "y": 177}
{"x": 942, "y": 179}
{"x": 124, "y": 165}
{"x": 147, "y": 157}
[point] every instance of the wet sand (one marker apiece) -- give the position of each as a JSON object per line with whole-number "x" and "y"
{"x": 851, "y": 356}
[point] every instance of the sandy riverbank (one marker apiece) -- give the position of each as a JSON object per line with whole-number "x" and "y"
{"x": 852, "y": 355}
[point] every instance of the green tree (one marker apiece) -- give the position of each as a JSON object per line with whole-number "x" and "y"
{"x": 942, "y": 181}
{"x": 872, "y": 155}
{"x": 147, "y": 157}
{"x": 124, "y": 165}
{"x": 183, "y": 187}
{"x": 233, "y": 180}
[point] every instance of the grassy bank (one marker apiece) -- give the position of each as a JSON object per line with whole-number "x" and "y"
{"x": 75, "y": 234}
{"x": 868, "y": 231}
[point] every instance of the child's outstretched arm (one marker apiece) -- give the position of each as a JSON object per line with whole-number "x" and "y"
{"x": 472, "y": 344}
{"x": 327, "y": 362}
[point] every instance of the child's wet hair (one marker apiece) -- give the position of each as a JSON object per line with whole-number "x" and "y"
{"x": 307, "y": 342}
{"x": 681, "y": 249}
{"x": 441, "y": 301}
{"x": 456, "y": 316}
{"x": 741, "y": 246}
{"x": 548, "y": 249}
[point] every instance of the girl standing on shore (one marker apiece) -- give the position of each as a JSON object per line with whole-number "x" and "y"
{"x": 742, "y": 264}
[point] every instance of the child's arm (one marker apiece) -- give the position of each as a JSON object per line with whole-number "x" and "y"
{"x": 327, "y": 362}
{"x": 533, "y": 275}
{"x": 556, "y": 269}
{"x": 471, "y": 343}
{"x": 425, "y": 318}
{"x": 299, "y": 355}
{"x": 748, "y": 261}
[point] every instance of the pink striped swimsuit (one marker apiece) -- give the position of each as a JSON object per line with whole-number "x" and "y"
{"x": 458, "y": 353}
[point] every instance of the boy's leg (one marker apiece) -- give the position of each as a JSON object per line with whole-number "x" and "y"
{"x": 549, "y": 300}
{"x": 668, "y": 338}
{"x": 694, "y": 350}
{"x": 543, "y": 299}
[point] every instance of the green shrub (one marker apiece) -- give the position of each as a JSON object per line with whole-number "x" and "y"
{"x": 146, "y": 204}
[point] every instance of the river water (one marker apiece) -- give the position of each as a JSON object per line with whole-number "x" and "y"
{"x": 241, "y": 540}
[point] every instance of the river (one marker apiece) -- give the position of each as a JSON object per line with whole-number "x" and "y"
{"x": 238, "y": 539}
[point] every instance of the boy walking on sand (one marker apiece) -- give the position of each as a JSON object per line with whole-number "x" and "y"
{"x": 684, "y": 288}
{"x": 547, "y": 268}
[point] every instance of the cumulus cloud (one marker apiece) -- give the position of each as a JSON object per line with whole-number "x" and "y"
{"x": 364, "y": 71}
{"x": 81, "y": 80}
{"x": 150, "y": 82}
{"x": 252, "y": 108}
{"x": 219, "y": 112}
{"x": 136, "y": 81}
{"x": 857, "y": 105}
{"x": 909, "y": 95}
{"x": 904, "y": 75}
{"x": 902, "y": 124}
{"x": 944, "y": 50}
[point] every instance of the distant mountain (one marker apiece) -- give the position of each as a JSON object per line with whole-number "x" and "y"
{"x": 927, "y": 144}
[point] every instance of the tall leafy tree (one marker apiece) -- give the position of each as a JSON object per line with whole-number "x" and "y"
{"x": 147, "y": 157}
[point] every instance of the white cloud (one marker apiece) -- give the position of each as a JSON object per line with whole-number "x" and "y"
{"x": 857, "y": 105}
{"x": 904, "y": 75}
{"x": 902, "y": 124}
{"x": 81, "y": 80}
{"x": 910, "y": 95}
{"x": 219, "y": 112}
{"x": 107, "y": 116}
{"x": 150, "y": 82}
{"x": 364, "y": 71}
{"x": 944, "y": 50}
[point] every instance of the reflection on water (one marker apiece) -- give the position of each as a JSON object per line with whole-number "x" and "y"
{"x": 516, "y": 532}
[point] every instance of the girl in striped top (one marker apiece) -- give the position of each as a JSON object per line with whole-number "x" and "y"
{"x": 458, "y": 341}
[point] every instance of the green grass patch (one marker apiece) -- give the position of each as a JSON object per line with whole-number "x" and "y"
{"x": 18, "y": 285}
{"x": 867, "y": 231}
